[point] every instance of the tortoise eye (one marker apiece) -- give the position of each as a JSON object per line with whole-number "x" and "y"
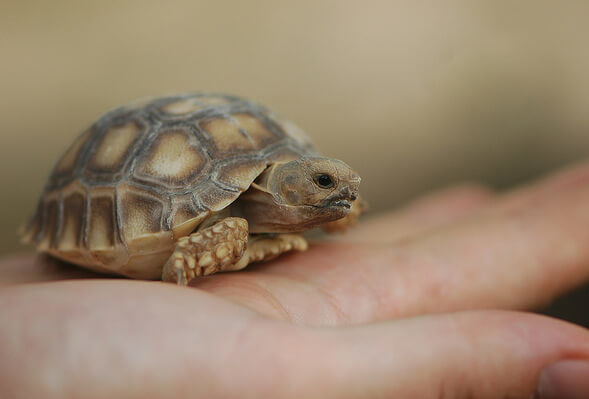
{"x": 324, "y": 181}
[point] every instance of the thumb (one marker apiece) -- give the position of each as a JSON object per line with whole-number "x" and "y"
{"x": 485, "y": 354}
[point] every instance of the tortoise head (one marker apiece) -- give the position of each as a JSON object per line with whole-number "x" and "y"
{"x": 323, "y": 183}
{"x": 299, "y": 195}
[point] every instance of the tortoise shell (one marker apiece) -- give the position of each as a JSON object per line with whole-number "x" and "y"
{"x": 145, "y": 174}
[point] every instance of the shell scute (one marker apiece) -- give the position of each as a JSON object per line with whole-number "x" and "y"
{"x": 65, "y": 168}
{"x": 214, "y": 196}
{"x": 74, "y": 216}
{"x": 50, "y": 220}
{"x": 189, "y": 105}
{"x": 141, "y": 212}
{"x": 239, "y": 134}
{"x": 240, "y": 172}
{"x": 185, "y": 215}
{"x": 114, "y": 147}
{"x": 102, "y": 226}
{"x": 175, "y": 159}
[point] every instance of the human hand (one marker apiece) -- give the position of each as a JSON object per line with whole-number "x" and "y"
{"x": 399, "y": 307}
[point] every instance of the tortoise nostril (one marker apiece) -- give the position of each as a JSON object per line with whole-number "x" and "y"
{"x": 348, "y": 192}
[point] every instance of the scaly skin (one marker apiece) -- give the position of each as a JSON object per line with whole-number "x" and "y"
{"x": 223, "y": 247}
{"x": 215, "y": 248}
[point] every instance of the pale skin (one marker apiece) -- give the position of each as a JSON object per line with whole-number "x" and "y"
{"x": 398, "y": 307}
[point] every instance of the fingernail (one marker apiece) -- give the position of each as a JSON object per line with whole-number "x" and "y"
{"x": 566, "y": 379}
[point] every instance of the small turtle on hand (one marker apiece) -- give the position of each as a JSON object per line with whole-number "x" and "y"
{"x": 189, "y": 185}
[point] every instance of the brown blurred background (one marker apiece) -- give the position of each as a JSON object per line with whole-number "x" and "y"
{"x": 413, "y": 95}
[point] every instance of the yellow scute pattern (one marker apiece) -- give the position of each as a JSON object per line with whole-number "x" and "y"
{"x": 114, "y": 145}
{"x": 172, "y": 156}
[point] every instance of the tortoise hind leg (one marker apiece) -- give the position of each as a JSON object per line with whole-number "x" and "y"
{"x": 262, "y": 248}
{"x": 207, "y": 251}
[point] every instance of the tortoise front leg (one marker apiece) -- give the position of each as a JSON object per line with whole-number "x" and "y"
{"x": 207, "y": 251}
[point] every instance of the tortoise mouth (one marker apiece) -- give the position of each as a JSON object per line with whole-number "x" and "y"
{"x": 339, "y": 200}
{"x": 341, "y": 203}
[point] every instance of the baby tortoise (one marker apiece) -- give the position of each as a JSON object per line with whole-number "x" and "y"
{"x": 189, "y": 185}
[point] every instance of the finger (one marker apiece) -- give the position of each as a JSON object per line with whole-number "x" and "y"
{"x": 430, "y": 211}
{"x": 520, "y": 253}
{"x": 564, "y": 380}
{"x": 455, "y": 203}
{"x": 29, "y": 268}
{"x": 466, "y": 355}
{"x": 569, "y": 178}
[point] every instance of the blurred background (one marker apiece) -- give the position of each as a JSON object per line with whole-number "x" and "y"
{"x": 414, "y": 95}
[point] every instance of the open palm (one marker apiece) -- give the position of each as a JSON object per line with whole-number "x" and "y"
{"x": 404, "y": 296}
